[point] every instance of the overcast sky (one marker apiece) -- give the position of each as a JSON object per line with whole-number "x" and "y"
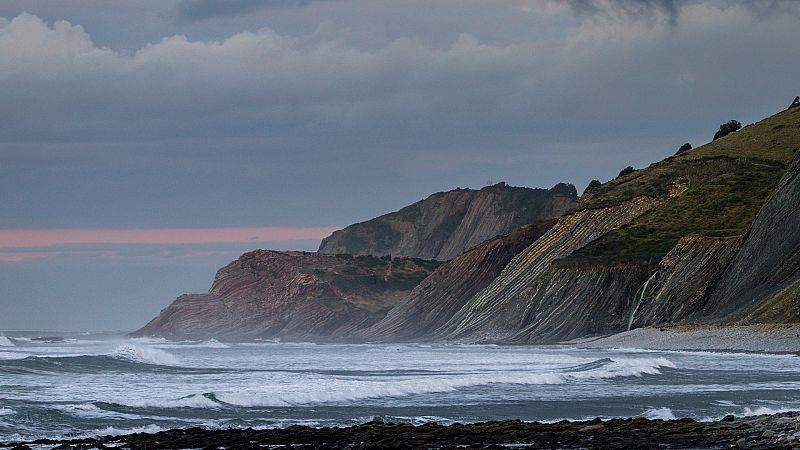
{"x": 126, "y": 126}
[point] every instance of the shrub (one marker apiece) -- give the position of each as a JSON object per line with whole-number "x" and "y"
{"x": 684, "y": 148}
{"x": 727, "y": 128}
{"x": 593, "y": 185}
{"x": 626, "y": 171}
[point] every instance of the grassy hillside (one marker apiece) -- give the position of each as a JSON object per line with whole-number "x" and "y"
{"x": 726, "y": 182}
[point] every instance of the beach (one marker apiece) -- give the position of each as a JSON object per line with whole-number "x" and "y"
{"x": 732, "y": 338}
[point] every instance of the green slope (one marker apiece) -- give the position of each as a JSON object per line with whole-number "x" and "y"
{"x": 726, "y": 182}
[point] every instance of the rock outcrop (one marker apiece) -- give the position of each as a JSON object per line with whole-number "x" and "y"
{"x": 684, "y": 279}
{"x": 706, "y": 236}
{"x": 764, "y": 276}
{"x": 446, "y": 224}
{"x": 500, "y": 310}
{"x": 293, "y": 296}
{"x": 451, "y": 285}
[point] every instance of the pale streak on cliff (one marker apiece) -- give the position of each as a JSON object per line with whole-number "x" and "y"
{"x": 490, "y": 314}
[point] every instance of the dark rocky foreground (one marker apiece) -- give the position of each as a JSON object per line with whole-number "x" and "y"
{"x": 759, "y": 432}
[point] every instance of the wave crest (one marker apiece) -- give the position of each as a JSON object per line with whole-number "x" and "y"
{"x": 144, "y": 355}
{"x": 5, "y": 342}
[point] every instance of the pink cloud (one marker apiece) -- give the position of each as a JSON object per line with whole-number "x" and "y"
{"x": 22, "y": 238}
{"x": 24, "y": 257}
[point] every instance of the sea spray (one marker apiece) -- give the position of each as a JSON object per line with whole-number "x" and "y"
{"x": 5, "y": 342}
{"x": 641, "y": 297}
{"x": 144, "y": 355}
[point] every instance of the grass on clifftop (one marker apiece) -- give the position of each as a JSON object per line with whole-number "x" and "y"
{"x": 727, "y": 181}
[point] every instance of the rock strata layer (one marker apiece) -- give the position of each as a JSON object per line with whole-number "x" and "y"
{"x": 291, "y": 295}
{"x": 446, "y": 224}
{"x": 448, "y": 288}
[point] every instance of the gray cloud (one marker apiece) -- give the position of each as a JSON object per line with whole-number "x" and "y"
{"x": 671, "y": 10}
{"x": 193, "y": 10}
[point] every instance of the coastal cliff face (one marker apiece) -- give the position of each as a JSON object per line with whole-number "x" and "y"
{"x": 498, "y": 311}
{"x": 446, "y": 224}
{"x": 446, "y": 290}
{"x": 646, "y": 248}
{"x": 684, "y": 279}
{"x": 763, "y": 281}
{"x": 706, "y": 236}
{"x": 291, "y": 295}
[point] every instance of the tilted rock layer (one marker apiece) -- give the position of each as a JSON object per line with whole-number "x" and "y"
{"x": 291, "y": 295}
{"x": 707, "y": 236}
{"x": 446, "y": 224}
{"x": 446, "y": 290}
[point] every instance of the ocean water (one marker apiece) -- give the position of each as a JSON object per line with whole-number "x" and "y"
{"x": 99, "y": 384}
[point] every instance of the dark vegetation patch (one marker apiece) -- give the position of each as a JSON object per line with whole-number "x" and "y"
{"x": 723, "y": 206}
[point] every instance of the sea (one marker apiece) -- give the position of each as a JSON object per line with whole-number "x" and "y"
{"x": 72, "y": 385}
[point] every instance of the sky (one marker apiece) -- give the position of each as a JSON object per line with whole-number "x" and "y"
{"x": 145, "y": 144}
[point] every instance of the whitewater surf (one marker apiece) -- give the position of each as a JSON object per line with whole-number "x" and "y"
{"x": 99, "y": 384}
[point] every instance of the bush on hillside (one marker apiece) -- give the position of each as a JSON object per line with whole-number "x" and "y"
{"x": 684, "y": 148}
{"x": 626, "y": 171}
{"x": 727, "y": 128}
{"x": 593, "y": 185}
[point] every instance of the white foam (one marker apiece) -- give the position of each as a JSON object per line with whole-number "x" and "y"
{"x": 213, "y": 343}
{"x": 663, "y": 413}
{"x": 5, "y": 342}
{"x": 91, "y": 411}
{"x": 145, "y": 355}
{"x": 190, "y": 401}
{"x": 111, "y": 431}
{"x": 13, "y": 355}
{"x": 7, "y": 411}
{"x": 762, "y": 410}
{"x": 350, "y": 390}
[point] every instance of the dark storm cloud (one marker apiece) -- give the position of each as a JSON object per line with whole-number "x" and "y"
{"x": 636, "y": 9}
{"x": 671, "y": 9}
{"x": 192, "y": 10}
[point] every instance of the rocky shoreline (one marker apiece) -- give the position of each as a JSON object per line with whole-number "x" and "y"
{"x": 731, "y": 338}
{"x": 756, "y": 432}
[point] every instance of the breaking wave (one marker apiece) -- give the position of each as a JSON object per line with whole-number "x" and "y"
{"x": 353, "y": 389}
{"x": 763, "y": 410}
{"x": 5, "y": 342}
{"x": 659, "y": 413}
{"x": 144, "y": 355}
{"x": 126, "y": 357}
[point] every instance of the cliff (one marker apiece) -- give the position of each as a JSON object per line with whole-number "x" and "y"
{"x": 446, "y": 224}
{"x": 660, "y": 245}
{"x": 291, "y": 295}
{"x": 763, "y": 280}
{"x": 706, "y": 236}
{"x": 446, "y": 290}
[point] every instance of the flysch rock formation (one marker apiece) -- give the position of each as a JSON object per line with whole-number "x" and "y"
{"x": 706, "y": 236}
{"x": 446, "y": 290}
{"x": 763, "y": 281}
{"x": 499, "y": 311}
{"x": 446, "y": 224}
{"x": 292, "y": 296}
{"x": 623, "y": 261}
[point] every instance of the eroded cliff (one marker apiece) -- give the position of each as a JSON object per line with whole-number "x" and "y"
{"x": 291, "y": 295}
{"x": 446, "y": 290}
{"x": 763, "y": 281}
{"x": 446, "y": 224}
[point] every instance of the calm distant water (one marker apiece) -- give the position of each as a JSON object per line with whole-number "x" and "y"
{"x": 103, "y": 384}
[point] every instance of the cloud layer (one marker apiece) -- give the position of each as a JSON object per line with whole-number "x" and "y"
{"x": 10, "y": 239}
